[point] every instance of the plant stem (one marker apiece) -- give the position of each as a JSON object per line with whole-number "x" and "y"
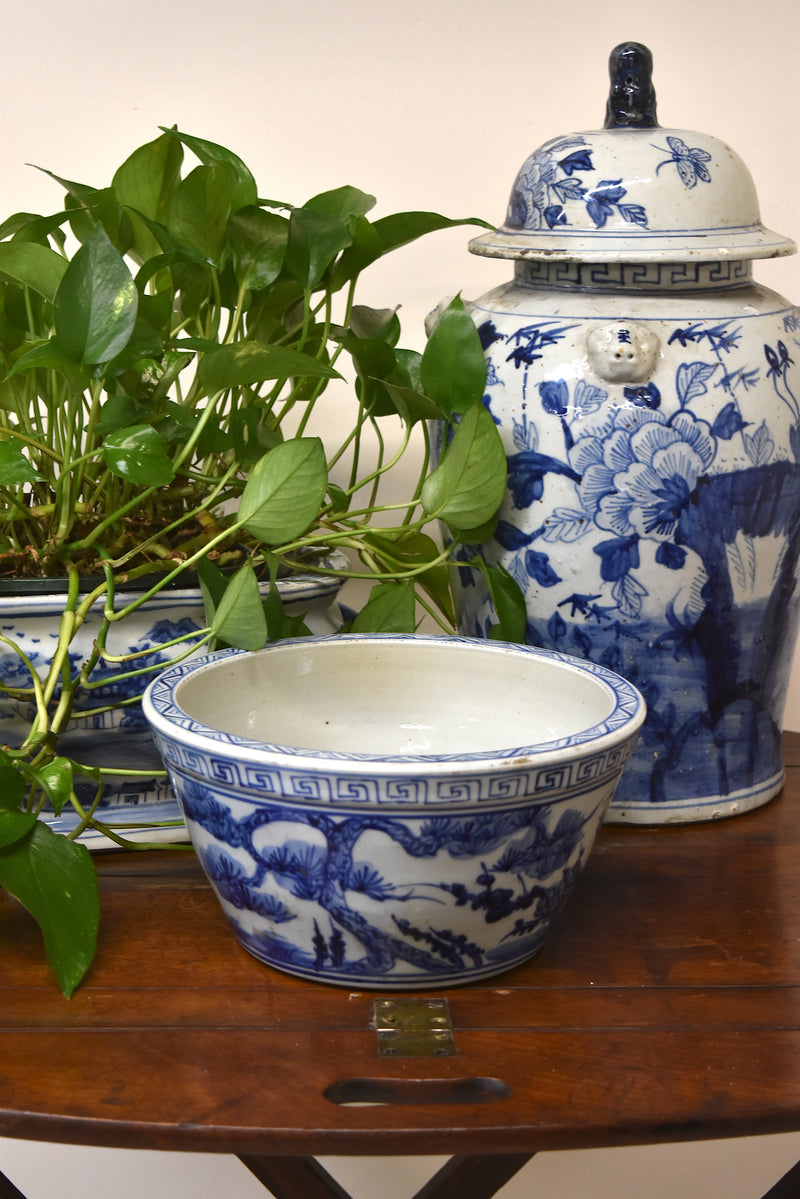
{"x": 40, "y": 721}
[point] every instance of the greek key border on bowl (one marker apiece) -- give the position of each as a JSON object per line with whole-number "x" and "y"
{"x": 327, "y": 787}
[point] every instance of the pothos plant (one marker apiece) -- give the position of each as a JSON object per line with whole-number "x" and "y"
{"x": 166, "y": 343}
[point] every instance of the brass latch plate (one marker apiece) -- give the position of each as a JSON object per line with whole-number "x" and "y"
{"x": 414, "y": 1028}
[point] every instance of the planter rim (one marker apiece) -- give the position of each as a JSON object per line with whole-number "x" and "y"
{"x": 40, "y": 593}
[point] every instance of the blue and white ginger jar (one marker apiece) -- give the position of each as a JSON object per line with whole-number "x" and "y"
{"x": 648, "y": 395}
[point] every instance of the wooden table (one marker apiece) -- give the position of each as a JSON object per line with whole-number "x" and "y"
{"x": 665, "y": 1007}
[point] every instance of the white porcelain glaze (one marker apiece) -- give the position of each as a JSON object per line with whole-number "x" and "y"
{"x": 390, "y": 811}
{"x": 633, "y": 195}
{"x": 398, "y": 698}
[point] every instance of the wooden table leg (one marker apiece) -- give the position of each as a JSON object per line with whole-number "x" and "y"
{"x": 292, "y": 1177}
{"x": 788, "y": 1187}
{"x": 8, "y": 1190}
{"x": 473, "y": 1177}
{"x": 470, "y": 1177}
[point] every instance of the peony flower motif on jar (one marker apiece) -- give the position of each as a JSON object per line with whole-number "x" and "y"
{"x": 549, "y": 182}
{"x": 650, "y": 469}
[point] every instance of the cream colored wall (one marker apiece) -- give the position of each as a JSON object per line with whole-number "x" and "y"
{"x": 426, "y": 103}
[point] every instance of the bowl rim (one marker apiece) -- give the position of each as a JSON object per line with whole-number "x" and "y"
{"x": 170, "y": 722}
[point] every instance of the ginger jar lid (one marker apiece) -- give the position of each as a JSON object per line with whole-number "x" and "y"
{"x": 633, "y": 191}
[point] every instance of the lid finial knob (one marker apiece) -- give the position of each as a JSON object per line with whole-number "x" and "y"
{"x": 632, "y": 98}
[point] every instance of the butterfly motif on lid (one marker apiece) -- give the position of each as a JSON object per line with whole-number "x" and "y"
{"x": 690, "y": 161}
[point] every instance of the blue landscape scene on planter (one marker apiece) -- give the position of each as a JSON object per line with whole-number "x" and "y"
{"x": 127, "y": 743}
{"x": 111, "y": 681}
{"x": 322, "y": 874}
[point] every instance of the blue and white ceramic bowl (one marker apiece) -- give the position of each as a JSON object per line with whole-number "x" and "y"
{"x": 388, "y": 811}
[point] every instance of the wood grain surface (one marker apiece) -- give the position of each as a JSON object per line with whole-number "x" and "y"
{"x": 664, "y": 1007}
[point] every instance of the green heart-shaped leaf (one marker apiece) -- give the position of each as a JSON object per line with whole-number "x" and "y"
{"x": 56, "y": 780}
{"x": 314, "y": 242}
{"x": 14, "y": 825}
{"x": 200, "y": 208}
{"x": 467, "y": 487}
{"x": 15, "y": 468}
{"x": 247, "y": 363}
{"x": 12, "y": 785}
{"x": 138, "y": 454}
{"x": 94, "y": 309}
{"x": 509, "y": 604}
{"x": 453, "y": 365}
{"x": 32, "y": 265}
{"x": 246, "y": 192}
{"x": 390, "y": 609}
{"x": 239, "y": 617}
{"x": 54, "y": 878}
{"x": 285, "y": 491}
